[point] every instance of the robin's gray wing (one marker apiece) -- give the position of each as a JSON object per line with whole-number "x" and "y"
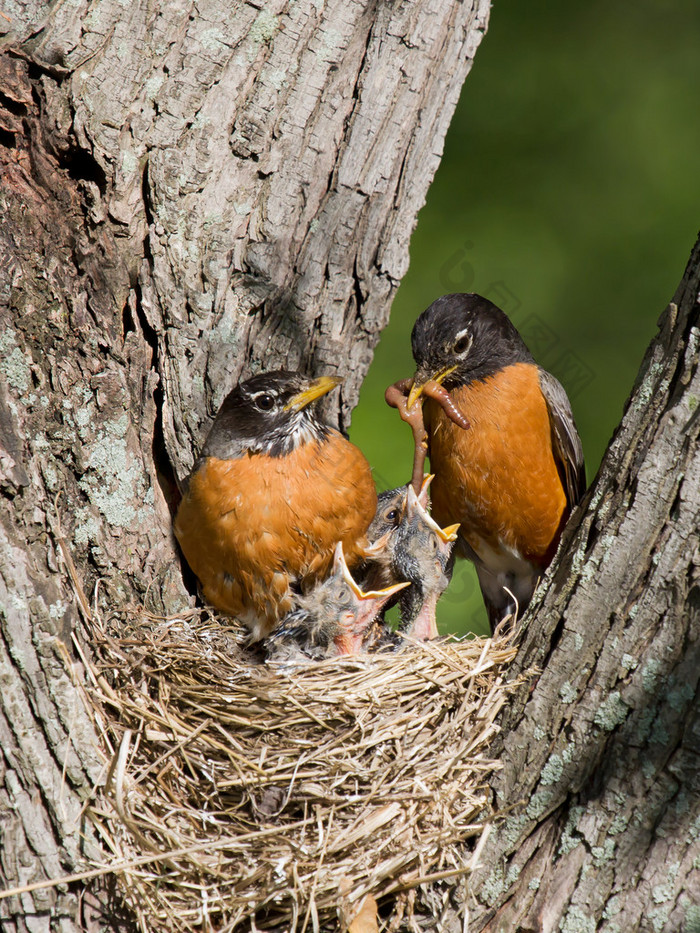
{"x": 566, "y": 443}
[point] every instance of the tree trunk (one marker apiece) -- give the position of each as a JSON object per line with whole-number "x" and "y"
{"x": 601, "y": 777}
{"x": 189, "y": 193}
{"x": 187, "y": 199}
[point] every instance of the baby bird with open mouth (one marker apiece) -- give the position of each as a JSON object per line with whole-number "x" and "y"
{"x": 417, "y": 550}
{"x": 334, "y": 619}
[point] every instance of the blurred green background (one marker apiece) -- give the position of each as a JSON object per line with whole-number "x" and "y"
{"x": 569, "y": 194}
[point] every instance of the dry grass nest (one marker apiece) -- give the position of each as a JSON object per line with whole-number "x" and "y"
{"x": 319, "y": 795}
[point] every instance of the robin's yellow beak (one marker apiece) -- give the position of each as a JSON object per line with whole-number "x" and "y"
{"x": 419, "y": 380}
{"x": 318, "y": 387}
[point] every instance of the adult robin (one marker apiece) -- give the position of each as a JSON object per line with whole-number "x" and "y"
{"x": 512, "y": 473}
{"x": 334, "y": 619}
{"x": 272, "y": 492}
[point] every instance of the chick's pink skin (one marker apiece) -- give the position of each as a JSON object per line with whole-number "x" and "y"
{"x": 354, "y": 626}
{"x": 424, "y": 626}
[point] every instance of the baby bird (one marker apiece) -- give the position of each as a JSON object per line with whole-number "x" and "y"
{"x": 417, "y": 550}
{"x": 379, "y": 571}
{"x": 332, "y": 620}
{"x": 423, "y": 555}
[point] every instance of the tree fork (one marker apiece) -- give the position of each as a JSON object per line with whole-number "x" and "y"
{"x": 181, "y": 205}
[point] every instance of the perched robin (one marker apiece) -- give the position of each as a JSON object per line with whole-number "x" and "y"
{"x": 272, "y": 492}
{"x": 333, "y": 619}
{"x": 416, "y": 550}
{"x": 512, "y": 473}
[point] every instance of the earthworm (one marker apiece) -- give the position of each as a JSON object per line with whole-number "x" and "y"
{"x": 435, "y": 391}
{"x": 396, "y": 396}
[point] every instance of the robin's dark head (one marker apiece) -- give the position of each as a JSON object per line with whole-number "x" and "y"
{"x": 462, "y": 338}
{"x": 268, "y": 414}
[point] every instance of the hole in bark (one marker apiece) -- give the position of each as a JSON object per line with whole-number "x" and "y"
{"x": 556, "y": 635}
{"x": 165, "y": 473}
{"x": 675, "y": 509}
{"x": 164, "y": 468}
{"x": 128, "y": 324}
{"x": 81, "y": 166}
{"x": 13, "y": 106}
{"x": 189, "y": 580}
{"x": 693, "y": 602}
{"x": 357, "y": 288}
{"x": 7, "y": 139}
{"x": 9, "y": 491}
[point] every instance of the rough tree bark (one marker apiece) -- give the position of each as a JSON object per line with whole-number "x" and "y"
{"x": 602, "y": 759}
{"x": 190, "y": 191}
{"x": 188, "y": 197}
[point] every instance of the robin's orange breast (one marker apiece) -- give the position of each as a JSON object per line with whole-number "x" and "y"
{"x": 251, "y": 528}
{"x": 498, "y": 478}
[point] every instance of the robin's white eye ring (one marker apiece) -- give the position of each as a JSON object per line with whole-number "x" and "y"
{"x": 264, "y": 402}
{"x": 462, "y": 345}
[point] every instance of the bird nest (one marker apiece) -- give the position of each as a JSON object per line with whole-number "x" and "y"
{"x": 320, "y": 795}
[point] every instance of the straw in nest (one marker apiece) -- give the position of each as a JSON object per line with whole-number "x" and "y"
{"x": 243, "y": 794}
